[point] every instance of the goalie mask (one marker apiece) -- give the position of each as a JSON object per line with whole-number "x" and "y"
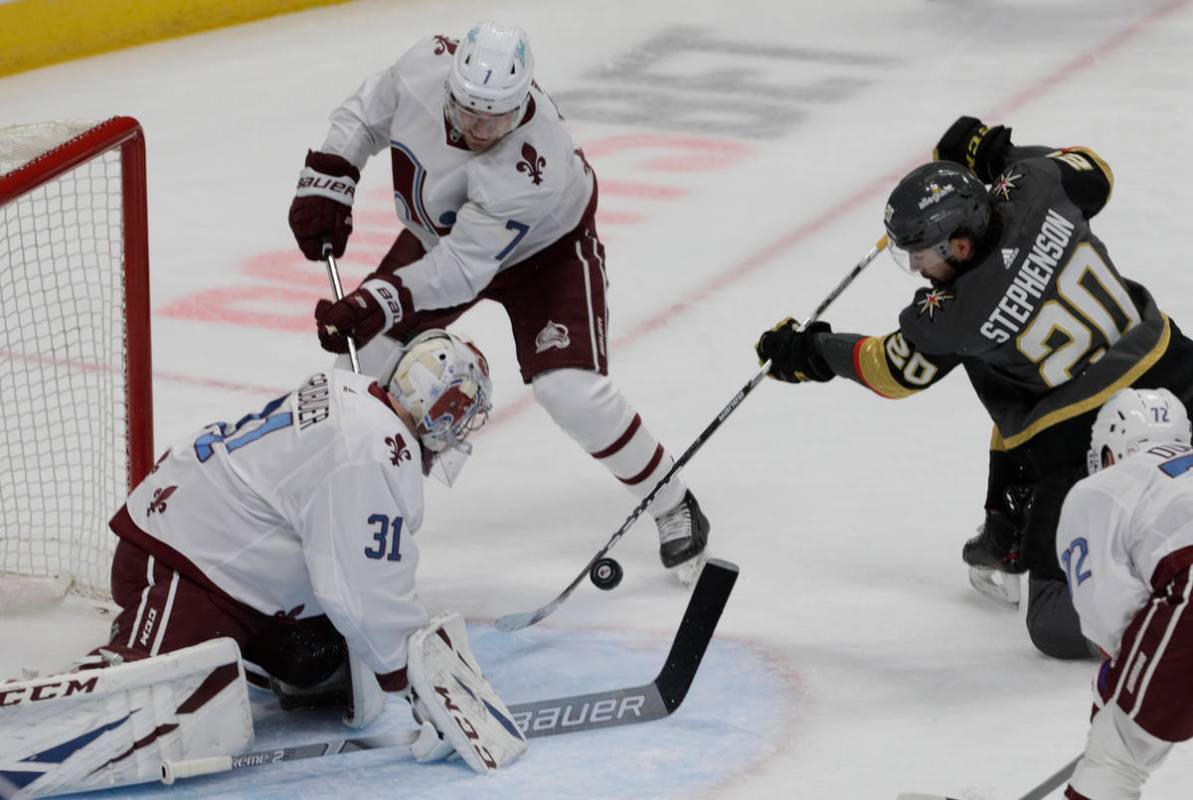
{"x": 442, "y": 380}
{"x": 1133, "y": 419}
{"x": 488, "y": 87}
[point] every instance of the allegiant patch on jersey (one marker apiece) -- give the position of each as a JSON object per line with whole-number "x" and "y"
{"x": 933, "y": 301}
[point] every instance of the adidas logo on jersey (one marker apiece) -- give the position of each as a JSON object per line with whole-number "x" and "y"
{"x": 1008, "y": 256}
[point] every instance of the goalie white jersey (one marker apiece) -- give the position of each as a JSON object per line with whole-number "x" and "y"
{"x": 1116, "y": 528}
{"x": 305, "y": 507}
{"x": 474, "y": 212}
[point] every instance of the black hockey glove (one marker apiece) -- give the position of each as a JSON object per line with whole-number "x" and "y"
{"x": 983, "y": 149}
{"x": 322, "y": 207}
{"x": 793, "y": 353}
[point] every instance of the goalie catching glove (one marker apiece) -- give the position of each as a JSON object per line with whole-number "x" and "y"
{"x": 793, "y": 353}
{"x": 458, "y": 709}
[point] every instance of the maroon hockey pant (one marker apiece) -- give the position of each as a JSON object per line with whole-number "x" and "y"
{"x": 162, "y": 610}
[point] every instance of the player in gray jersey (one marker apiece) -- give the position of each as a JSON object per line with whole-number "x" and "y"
{"x": 1026, "y": 299}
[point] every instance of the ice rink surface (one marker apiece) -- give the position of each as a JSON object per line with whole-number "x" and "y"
{"x": 745, "y": 152}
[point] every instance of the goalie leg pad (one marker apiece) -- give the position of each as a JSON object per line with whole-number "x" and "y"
{"x": 100, "y": 728}
{"x": 450, "y": 692}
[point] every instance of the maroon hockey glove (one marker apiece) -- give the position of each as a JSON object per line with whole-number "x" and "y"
{"x": 984, "y": 150}
{"x": 376, "y": 306}
{"x": 322, "y": 207}
{"x": 793, "y": 353}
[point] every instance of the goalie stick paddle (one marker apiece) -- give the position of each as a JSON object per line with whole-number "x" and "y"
{"x": 518, "y": 621}
{"x": 1039, "y": 793}
{"x": 572, "y": 714}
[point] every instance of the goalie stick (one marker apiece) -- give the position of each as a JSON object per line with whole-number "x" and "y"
{"x": 518, "y": 621}
{"x": 572, "y": 714}
{"x": 1039, "y": 793}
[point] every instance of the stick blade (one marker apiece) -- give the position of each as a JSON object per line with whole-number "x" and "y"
{"x": 515, "y": 622}
{"x": 695, "y": 631}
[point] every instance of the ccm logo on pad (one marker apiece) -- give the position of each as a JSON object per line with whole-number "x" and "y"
{"x": 48, "y": 690}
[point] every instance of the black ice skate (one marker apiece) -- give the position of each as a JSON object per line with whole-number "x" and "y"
{"x": 683, "y": 532}
{"x": 998, "y": 545}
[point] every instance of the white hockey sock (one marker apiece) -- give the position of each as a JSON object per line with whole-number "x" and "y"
{"x": 592, "y": 411}
{"x": 1119, "y": 757}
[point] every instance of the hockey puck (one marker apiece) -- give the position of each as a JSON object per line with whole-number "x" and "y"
{"x": 605, "y": 574}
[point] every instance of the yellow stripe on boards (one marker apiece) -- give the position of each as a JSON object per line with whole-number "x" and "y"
{"x": 37, "y": 33}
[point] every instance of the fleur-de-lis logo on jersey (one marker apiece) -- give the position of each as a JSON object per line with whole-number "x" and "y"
{"x": 933, "y": 301}
{"x": 158, "y": 503}
{"x": 400, "y": 451}
{"x": 445, "y": 44}
{"x": 533, "y": 164}
{"x": 1004, "y": 184}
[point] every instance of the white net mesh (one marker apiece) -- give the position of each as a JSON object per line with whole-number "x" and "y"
{"x": 64, "y": 424}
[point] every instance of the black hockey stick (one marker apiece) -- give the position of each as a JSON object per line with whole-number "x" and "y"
{"x": 518, "y": 621}
{"x": 582, "y": 712}
{"x": 1039, "y": 793}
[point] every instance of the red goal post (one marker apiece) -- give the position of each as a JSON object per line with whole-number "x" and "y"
{"x": 75, "y": 364}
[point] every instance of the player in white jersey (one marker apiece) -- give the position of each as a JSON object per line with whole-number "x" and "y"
{"x": 1126, "y": 541}
{"x": 292, "y": 529}
{"x": 279, "y": 547}
{"x": 497, "y": 203}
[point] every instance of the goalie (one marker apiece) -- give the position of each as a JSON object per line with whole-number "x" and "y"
{"x": 278, "y": 548}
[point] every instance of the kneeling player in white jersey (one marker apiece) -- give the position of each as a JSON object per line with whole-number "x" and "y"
{"x": 285, "y": 538}
{"x": 1126, "y": 541}
{"x": 497, "y": 203}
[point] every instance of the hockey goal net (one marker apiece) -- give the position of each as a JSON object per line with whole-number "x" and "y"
{"x": 76, "y": 408}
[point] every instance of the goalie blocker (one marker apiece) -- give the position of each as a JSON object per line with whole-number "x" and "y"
{"x": 99, "y": 728}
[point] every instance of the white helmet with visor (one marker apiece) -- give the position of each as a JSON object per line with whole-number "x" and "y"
{"x": 488, "y": 87}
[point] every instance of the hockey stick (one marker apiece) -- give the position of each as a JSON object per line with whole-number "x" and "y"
{"x": 1039, "y": 793}
{"x": 518, "y": 621}
{"x": 333, "y": 273}
{"x": 582, "y": 712}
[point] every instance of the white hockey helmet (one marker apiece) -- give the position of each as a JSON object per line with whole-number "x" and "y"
{"x": 442, "y": 380}
{"x": 1133, "y": 418}
{"x": 492, "y": 69}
